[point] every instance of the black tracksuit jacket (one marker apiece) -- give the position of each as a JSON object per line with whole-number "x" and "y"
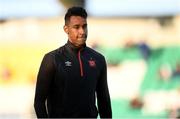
{"x": 70, "y": 79}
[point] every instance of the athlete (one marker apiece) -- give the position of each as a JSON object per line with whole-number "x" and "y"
{"x": 72, "y": 77}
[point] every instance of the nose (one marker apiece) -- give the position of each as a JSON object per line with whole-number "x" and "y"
{"x": 82, "y": 30}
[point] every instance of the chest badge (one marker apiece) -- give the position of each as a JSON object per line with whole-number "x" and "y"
{"x": 68, "y": 63}
{"x": 92, "y": 63}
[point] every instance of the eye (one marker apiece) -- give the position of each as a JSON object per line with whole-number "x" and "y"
{"x": 76, "y": 27}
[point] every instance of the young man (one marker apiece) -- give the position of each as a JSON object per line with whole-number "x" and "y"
{"x": 71, "y": 77}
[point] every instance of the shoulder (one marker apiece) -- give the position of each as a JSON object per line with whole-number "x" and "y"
{"x": 54, "y": 52}
{"x": 95, "y": 53}
{"x": 51, "y": 53}
{"x": 98, "y": 57}
{"x": 50, "y": 56}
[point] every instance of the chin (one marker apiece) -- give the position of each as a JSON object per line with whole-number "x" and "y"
{"x": 82, "y": 43}
{"x": 82, "y": 39}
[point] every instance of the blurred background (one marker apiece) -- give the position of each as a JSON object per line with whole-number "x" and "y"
{"x": 139, "y": 38}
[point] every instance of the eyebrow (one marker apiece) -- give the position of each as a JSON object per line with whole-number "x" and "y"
{"x": 79, "y": 25}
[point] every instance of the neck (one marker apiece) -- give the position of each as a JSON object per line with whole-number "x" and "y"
{"x": 71, "y": 45}
{"x": 76, "y": 46}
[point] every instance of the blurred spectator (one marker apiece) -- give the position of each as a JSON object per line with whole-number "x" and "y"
{"x": 136, "y": 103}
{"x": 178, "y": 114}
{"x": 130, "y": 43}
{"x": 176, "y": 72}
{"x": 5, "y": 73}
{"x": 174, "y": 114}
{"x": 165, "y": 71}
{"x": 174, "y": 111}
{"x": 144, "y": 49}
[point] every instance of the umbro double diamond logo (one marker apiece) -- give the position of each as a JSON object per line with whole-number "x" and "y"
{"x": 68, "y": 63}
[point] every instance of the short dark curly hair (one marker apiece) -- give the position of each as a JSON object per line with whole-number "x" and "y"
{"x": 75, "y": 11}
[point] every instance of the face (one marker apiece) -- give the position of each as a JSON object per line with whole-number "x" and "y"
{"x": 76, "y": 30}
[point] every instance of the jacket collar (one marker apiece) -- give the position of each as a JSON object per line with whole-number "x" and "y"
{"x": 74, "y": 48}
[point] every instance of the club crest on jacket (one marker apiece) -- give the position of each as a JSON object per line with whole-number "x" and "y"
{"x": 92, "y": 63}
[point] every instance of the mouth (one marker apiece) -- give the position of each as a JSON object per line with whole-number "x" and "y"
{"x": 83, "y": 37}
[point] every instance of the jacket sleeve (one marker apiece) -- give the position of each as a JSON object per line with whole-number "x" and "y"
{"x": 103, "y": 97}
{"x": 44, "y": 79}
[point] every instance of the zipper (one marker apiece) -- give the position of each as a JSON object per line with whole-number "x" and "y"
{"x": 80, "y": 63}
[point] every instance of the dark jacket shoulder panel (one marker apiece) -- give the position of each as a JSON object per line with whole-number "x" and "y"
{"x": 95, "y": 53}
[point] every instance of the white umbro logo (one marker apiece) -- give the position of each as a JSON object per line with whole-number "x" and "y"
{"x": 68, "y": 63}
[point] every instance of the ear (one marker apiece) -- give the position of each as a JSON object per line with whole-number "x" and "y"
{"x": 66, "y": 29}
